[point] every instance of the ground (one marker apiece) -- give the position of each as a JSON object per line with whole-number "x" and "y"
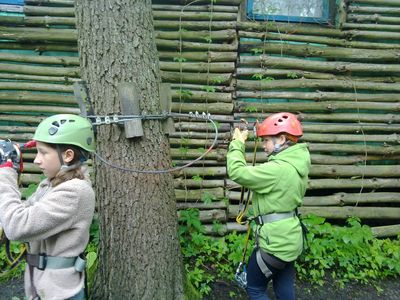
{"x": 224, "y": 291}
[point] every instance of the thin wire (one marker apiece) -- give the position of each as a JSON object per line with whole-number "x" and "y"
{"x": 365, "y": 144}
{"x": 166, "y": 170}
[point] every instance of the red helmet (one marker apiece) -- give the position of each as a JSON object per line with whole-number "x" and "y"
{"x": 283, "y": 122}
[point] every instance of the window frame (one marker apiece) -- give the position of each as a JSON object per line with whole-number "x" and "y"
{"x": 326, "y": 15}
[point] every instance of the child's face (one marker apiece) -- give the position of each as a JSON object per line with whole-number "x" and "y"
{"x": 47, "y": 159}
{"x": 268, "y": 145}
{"x": 270, "y": 141}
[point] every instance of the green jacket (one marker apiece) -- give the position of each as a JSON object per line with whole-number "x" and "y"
{"x": 278, "y": 186}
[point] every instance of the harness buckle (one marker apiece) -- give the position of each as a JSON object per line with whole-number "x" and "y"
{"x": 42, "y": 261}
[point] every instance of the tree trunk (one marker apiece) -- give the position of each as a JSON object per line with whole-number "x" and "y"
{"x": 139, "y": 253}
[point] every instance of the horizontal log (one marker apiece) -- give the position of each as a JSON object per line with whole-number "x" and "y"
{"x": 16, "y": 137}
{"x": 354, "y": 171}
{"x": 195, "y": 46}
{"x": 317, "y": 84}
{"x": 203, "y": 183}
{"x": 38, "y": 109}
{"x": 344, "y": 212}
{"x": 315, "y": 39}
{"x": 351, "y": 183}
{"x": 51, "y": 2}
{"x": 27, "y": 179}
{"x": 376, "y": 27}
{"x": 374, "y": 10}
{"x": 250, "y": 73}
{"x": 218, "y": 67}
{"x": 234, "y": 3}
{"x": 386, "y": 231}
{"x": 321, "y": 159}
{"x": 310, "y": 65}
{"x": 44, "y": 21}
{"x": 49, "y": 11}
{"x": 200, "y": 135}
{"x": 22, "y": 34}
{"x": 348, "y": 127}
{"x": 200, "y": 163}
{"x": 202, "y": 127}
{"x": 219, "y": 108}
{"x": 210, "y": 193}
{"x": 218, "y": 154}
{"x": 370, "y": 213}
{"x": 194, "y": 25}
{"x": 378, "y": 2}
{"x": 206, "y": 172}
{"x": 334, "y": 138}
{"x": 15, "y": 129}
{"x": 208, "y": 7}
{"x": 374, "y": 18}
{"x": 349, "y": 148}
{"x": 320, "y": 96}
{"x": 202, "y": 205}
{"x": 196, "y": 87}
{"x": 65, "y": 61}
{"x": 345, "y": 54}
{"x": 341, "y": 199}
{"x": 207, "y": 56}
{"x": 201, "y": 78}
{"x": 333, "y": 117}
{"x": 40, "y": 70}
{"x": 287, "y": 28}
{"x": 193, "y": 15}
{"x": 36, "y": 87}
{"x": 24, "y": 96}
{"x": 197, "y": 96}
{"x": 211, "y": 215}
{"x": 31, "y": 120}
{"x": 199, "y": 35}
{"x": 327, "y": 106}
{"x": 35, "y": 78}
{"x": 40, "y": 47}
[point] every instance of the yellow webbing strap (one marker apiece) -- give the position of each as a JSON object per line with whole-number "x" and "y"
{"x": 242, "y": 212}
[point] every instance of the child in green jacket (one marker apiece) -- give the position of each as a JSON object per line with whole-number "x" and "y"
{"x": 278, "y": 187}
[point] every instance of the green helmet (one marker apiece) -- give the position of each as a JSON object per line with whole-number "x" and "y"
{"x": 66, "y": 129}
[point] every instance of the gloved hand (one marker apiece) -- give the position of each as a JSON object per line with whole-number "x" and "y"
{"x": 240, "y": 135}
{"x": 7, "y": 164}
{"x": 10, "y": 155}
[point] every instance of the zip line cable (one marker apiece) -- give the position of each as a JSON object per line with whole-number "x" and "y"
{"x": 119, "y": 119}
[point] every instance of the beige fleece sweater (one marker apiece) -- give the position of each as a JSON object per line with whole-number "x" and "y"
{"x": 54, "y": 221}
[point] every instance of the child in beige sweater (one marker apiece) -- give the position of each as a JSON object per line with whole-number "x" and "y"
{"x": 55, "y": 220}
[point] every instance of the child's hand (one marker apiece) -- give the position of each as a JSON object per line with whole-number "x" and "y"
{"x": 240, "y": 135}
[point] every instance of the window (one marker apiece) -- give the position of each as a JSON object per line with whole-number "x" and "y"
{"x": 310, "y": 11}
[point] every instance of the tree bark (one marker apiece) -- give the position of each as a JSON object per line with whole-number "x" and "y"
{"x": 139, "y": 253}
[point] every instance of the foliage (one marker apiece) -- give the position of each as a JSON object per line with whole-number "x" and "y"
{"x": 206, "y": 258}
{"x": 350, "y": 253}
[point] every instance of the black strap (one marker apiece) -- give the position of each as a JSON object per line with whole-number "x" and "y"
{"x": 273, "y": 261}
{"x": 304, "y": 228}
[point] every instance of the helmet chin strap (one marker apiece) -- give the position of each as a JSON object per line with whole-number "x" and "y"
{"x": 278, "y": 147}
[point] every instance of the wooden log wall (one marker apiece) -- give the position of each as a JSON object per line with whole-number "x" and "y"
{"x": 343, "y": 82}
